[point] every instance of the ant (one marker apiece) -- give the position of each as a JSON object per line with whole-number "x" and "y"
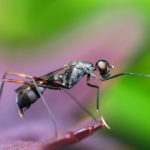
{"x": 61, "y": 79}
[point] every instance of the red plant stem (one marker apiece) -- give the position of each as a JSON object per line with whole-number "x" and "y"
{"x": 73, "y": 137}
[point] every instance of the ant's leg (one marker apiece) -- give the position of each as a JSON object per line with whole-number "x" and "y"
{"x": 79, "y": 104}
{"x": 43, "y": 99}
{"x": 126, "y": 73}
{"x": 2, "y": 84}
{"x": 46, "y": 105}
{"x": 95, "y": 86}
{"x": 62, "y": 87}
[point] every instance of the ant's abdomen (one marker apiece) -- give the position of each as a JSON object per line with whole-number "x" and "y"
{"x": 28, "y": 96}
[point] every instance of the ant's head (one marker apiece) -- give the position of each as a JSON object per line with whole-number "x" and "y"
{"x": 104, "y": 68}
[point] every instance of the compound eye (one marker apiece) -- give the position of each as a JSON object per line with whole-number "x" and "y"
{"x": 102, "y": 66}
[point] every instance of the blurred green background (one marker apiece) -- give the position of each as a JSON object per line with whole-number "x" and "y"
{"x": 25, "y": 25}
{"x": 28, "y": 22}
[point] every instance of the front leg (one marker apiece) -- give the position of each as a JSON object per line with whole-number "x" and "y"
{"x": 94, "y": 86}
